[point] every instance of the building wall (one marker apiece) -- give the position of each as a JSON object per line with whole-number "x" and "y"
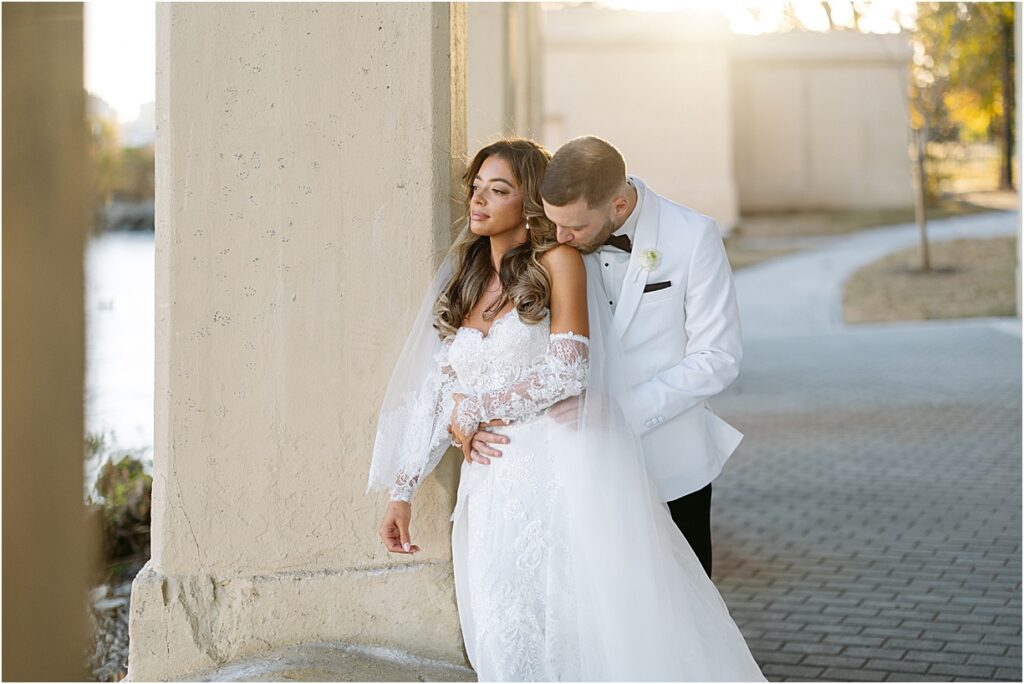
{"x": 821, "y": 121}
{"x": 302, "y": 200}
{"x": 727, "y": 123}
{"x": 654, "y": 84}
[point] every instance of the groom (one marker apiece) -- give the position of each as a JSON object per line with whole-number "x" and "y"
{"x": 669, "y": 285}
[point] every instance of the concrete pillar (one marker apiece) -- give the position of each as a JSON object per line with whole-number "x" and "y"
{"x": 525, "y": 62}
{"x": 504, "y": 95}
{"x": 49, "y": 549}
{"x": 302, "y": 206}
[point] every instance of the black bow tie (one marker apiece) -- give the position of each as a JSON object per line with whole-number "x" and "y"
{"x": 620, "y": 242}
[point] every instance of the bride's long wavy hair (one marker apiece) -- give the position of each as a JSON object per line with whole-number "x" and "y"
{"x": 524, "y": 281}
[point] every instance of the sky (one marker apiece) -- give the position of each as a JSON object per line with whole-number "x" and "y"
{"x": 120, "y": 54}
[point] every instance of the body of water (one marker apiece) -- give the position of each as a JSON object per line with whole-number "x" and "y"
{"x": 119, "y": 343}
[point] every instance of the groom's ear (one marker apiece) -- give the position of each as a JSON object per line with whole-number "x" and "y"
{"x": 619, "y": 204}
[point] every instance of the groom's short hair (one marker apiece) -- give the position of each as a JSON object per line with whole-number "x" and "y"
{"x": 586, "y": 167}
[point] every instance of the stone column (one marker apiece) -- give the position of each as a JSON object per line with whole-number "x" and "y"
{"x": 304, "y": 171}
{"x": 49, "y": 549}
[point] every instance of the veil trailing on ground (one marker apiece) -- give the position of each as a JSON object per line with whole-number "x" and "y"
{"x": 645, "y": 609}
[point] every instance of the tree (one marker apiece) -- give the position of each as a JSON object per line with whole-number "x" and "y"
{"x": 105, "y": 155}
{"x": 963, "y": 85}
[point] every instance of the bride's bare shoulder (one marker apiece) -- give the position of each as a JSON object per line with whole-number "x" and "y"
{"x": 568, "y": 274}
{"x": 562, "y": 259}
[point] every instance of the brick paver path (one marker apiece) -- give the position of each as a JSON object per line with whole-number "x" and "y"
{"x": 869, "y": 526}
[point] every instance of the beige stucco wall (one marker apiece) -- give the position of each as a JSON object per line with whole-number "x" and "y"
{"x": 656, "y": 85}
{"x": 50, "y": 550}
{"x": 821, "y": 121}
{"x": 303, "y": 175}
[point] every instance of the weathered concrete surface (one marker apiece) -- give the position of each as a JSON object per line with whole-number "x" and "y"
{"x": 303, "y": 186}
{"x": 327, "y": 662}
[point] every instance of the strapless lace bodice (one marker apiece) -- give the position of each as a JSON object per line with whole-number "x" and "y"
{"x": 483, "y": 363}
{"x": 517, "y": 370}
{"x": 513, "y": 374}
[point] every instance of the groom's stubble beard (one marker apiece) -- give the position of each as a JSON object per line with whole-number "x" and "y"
{"x": 606, "y": 230}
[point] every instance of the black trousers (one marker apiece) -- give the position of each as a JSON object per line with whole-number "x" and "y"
{"x": 692, "y": 515}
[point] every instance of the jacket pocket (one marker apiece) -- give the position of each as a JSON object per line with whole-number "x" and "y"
{"x": 654, "y": 287}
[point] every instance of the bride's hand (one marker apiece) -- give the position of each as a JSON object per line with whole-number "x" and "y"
{"x": 394, "y": 529}
{"x": 466, "y": 440}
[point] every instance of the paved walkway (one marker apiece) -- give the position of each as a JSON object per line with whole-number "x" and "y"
{"x": 868, "y": 528}
{"x": 802, "y": 293}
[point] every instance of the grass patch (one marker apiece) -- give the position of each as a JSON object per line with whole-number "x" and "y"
{"x": 840, "y": 222}
{"x": 969, "y": 278}
{"x": 741, "y": 255}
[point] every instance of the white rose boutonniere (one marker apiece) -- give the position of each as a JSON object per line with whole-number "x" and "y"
{"x": 649, "y": 260}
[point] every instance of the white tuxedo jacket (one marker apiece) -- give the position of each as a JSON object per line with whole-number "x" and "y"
{"x": 682, "y": 344}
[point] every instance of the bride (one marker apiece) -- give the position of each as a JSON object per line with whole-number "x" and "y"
{"x": 567, "y": 563}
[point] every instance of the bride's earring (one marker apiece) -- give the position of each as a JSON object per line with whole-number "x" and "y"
{"x": 527, "y": 224}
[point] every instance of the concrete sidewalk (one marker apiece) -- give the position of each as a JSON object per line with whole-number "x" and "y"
{"x": 868, "y": 527}
{"x": 803, "y": 293}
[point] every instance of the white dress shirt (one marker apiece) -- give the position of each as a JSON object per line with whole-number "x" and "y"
{"x": 615, "y": 262}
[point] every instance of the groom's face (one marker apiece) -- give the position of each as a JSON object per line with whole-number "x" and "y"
{"x": 581, "y": 227}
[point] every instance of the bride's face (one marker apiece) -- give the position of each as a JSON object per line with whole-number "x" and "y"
{"x": 497, "y": 204}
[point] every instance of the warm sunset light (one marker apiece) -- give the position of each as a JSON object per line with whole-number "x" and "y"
{"x": 769, "y": 16}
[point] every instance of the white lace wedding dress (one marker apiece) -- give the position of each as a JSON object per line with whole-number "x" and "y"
{"x": 565, "y": 567}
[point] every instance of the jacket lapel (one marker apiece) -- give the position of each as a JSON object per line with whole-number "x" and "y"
{"x": 646, "y": 237}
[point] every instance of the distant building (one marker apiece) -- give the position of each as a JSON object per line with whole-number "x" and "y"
{"x": 721, "y": 122}
{"x": 141, "y": 131}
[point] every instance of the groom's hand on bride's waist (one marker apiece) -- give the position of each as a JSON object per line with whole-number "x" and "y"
{"x": 475, "y": 447}
{"x": 482, "y": 441}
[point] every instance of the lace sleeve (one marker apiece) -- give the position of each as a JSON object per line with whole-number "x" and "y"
{"x": 426, "y": 414}
{"x": 560, "y": 373}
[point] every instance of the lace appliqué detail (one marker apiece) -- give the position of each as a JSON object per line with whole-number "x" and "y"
{"x": 558, "y": 374}
{"x": 426, "y": 416}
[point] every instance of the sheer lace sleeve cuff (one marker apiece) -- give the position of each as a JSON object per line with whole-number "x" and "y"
{"x": 560, "y": 373}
